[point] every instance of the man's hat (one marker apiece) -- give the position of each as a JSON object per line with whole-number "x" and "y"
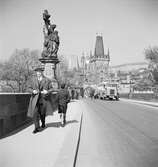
{"x": 39, "y": 68}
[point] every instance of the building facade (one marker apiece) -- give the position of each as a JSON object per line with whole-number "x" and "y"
{"x": 96, "y": 65}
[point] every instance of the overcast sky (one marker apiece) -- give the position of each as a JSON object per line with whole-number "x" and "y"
{"x": 127, "y": 26}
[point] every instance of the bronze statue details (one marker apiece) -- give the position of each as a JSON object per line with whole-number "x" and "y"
{"x": 51, "y": 38}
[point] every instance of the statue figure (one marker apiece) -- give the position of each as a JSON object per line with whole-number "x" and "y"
{"x": 46, "y": 17}
{"x": 45, "y": 44}
{"x": 57, "y": 42}
{"x": 51, "y": 38}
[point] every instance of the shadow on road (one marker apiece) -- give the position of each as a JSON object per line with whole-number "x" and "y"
{"x": 58, "y": 124}
{"x": 71, "y": 121}
{"x": 29, "y": 123}
{"x": 72, "y": 101}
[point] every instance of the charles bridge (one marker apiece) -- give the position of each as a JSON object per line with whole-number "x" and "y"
{"x": 98, "y": 133}
{"x": 95, "y": 132}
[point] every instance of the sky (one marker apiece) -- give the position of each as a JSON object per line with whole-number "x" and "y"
{"x": 127, "y": 26}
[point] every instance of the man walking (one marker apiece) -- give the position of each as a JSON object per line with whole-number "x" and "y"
{"x": 92, "y": 92}
{"x": 40, "y": 87}
{"x": 63, "y": 100}
{"x": 72, "y": 93}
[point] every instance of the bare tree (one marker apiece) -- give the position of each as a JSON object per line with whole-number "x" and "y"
{"x": 151, "y": 54}
{"x": 19, "y": 68}
{"x": 62, "y": 68}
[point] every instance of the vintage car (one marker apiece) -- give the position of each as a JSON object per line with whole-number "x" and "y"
{"x": 108, "y": 90}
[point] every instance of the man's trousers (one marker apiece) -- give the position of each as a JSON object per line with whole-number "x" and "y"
{"x": 39, "y": 114}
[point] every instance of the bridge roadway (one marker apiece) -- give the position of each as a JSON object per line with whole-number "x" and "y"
{"x": 113, "y": 134}
{"x": 118, "y": 134}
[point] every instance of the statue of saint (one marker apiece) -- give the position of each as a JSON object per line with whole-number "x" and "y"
{"x": 51, "y": 38}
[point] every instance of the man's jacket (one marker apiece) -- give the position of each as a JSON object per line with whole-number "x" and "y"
{"x": 44, "y": 84}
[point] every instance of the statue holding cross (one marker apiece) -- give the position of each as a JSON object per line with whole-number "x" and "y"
{"x": 51, "y": 38}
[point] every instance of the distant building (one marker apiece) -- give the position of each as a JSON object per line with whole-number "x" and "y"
{"x": 130, "y": 75}
{"x": 96, "y": 65}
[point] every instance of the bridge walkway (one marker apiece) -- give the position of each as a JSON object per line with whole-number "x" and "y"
{"x": 44, "y": 149}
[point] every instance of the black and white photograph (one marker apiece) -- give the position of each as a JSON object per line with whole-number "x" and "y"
{"x": 78, "y": 83}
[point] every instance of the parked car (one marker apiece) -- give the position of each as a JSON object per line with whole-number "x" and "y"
{"x": 108, "y": 91}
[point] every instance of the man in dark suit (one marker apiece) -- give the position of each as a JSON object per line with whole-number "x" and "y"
{"x": 72, "y": 93}
{"x": 63, "y": 100}
{"x": 40, "y": 88}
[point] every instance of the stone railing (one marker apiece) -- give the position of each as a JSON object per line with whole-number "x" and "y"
{"x": 13, "y": 110}
{"x": 147, "y": 96}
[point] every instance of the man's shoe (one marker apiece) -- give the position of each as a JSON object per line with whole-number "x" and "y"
{"x": 36, "y": 130}
{"x": 62, "y": 125}
{"x": 43, "y": 126}
{"x": 63, "y": 122}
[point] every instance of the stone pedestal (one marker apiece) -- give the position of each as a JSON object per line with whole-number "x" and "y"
{"x": 49, "y": 65}
{"x": 49, "y": 71}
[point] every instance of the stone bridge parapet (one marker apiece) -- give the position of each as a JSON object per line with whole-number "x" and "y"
{"x": 13, "y": 111}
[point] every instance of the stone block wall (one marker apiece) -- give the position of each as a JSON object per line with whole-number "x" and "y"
{"x": 13, "y": 110}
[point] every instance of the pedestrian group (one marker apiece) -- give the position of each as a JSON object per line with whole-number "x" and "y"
{"x": 40, "y": 88}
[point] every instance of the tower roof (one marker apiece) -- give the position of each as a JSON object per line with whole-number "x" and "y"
{"x": 99, "y": 47}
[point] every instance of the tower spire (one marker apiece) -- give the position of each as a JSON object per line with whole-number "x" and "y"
{"x": 108, "y": 55}
{"x": 91, "y": 54}
{"x": 83, "y": 60}
{"x": 78, "y": 66}
{"x": 99, "y": 47}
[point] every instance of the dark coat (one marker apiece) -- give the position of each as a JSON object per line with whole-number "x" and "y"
{"x": 45, "y": 84}
{"x": 72, "y": 93}
{"x": 82, "y": 92}
{"x": 92, "y": 92}
{"x": 63, "y": 99}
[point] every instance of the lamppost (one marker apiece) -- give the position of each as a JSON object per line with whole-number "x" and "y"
{"x": 130, "y": 88}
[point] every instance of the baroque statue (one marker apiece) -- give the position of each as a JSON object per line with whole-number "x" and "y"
{"x": 51, "y": 38}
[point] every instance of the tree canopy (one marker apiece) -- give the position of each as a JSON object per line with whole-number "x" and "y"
{"x": 17, "y": 70}
{"x": 151, "y": 54}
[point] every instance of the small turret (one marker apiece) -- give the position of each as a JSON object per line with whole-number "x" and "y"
{"x": 91, "y": 56}
{"x": 108, "y": 55}
{"x": 78, "y": 66}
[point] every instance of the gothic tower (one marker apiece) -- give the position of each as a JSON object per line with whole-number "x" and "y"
{"x": 99, "y": 47}
{"x": 99, "y": 61}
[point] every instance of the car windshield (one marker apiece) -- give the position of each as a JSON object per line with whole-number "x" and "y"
{"x": 107, "y": 85}
{"x": 112, "y": 85}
